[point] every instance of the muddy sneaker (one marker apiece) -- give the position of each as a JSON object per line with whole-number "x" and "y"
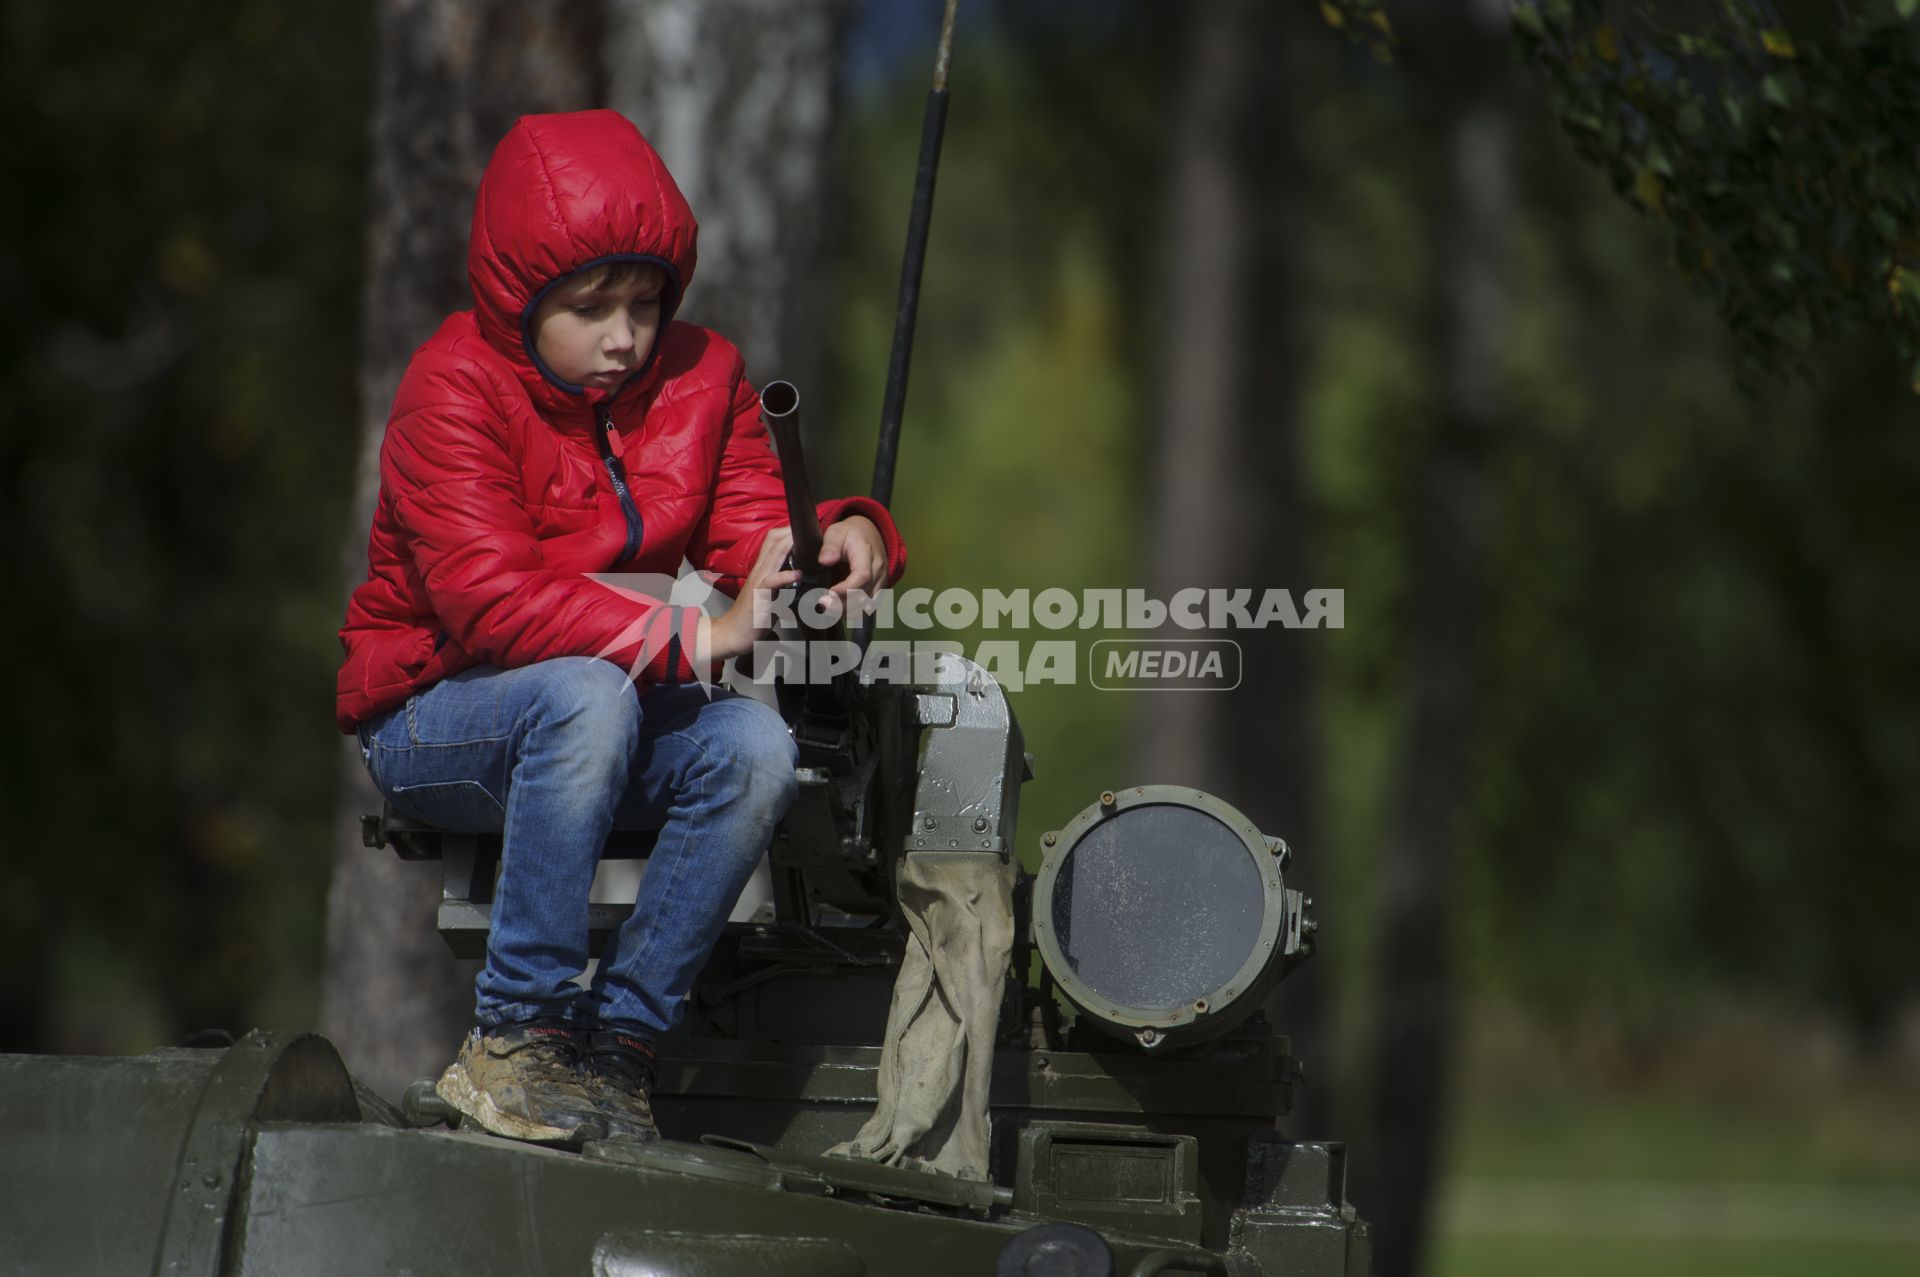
{"x": 522, "y": 1081}
{"x": 619, "y": 1072}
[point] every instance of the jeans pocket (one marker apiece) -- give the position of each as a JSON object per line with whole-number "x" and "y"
{"x": 465, "y": 806}
{"x": 459, "y": 786}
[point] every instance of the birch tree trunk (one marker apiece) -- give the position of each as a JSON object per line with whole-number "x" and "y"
{"x": 452, "y": 77}
{"x": 1230, "y": 508}
{"x": 1414, "y": 1029}
{"x": 740, "y": 98}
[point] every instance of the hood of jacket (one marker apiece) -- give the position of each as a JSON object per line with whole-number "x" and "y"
{"x": 563, "y": 193}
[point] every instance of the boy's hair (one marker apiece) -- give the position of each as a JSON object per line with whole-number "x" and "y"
{"x": 619, "y": 275}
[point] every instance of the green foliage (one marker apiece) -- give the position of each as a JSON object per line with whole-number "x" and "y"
{"x": 1365, "y": 22}
{"x": 1701, "y": 687}
{"x": 1696, "y": 675}
{"x": 1784, "y": 159}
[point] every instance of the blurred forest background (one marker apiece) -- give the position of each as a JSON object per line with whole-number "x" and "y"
{"x": 1606, "y": 788}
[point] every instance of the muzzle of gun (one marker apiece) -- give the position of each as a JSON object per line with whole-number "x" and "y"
{"x": 780, "y": 412}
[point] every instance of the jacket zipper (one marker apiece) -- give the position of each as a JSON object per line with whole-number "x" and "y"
{"x": 616, "y": 472}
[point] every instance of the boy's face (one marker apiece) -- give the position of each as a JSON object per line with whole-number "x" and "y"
{"x": 595, "y": 331}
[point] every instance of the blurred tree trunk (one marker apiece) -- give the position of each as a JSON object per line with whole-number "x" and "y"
{"x": 740, "y": 97}
{"x": 1229, "y": 503}
{"x": 451, "y": 80}
{"x": 1462, "y": 63}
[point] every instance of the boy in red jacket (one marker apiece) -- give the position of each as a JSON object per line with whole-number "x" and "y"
{"x": 567, "y": 426}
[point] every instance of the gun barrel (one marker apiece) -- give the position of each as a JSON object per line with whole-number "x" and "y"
{"x": 780, "y": 410}
{"x": 820, "y": 707}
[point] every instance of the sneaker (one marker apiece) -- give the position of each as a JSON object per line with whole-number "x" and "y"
{"x": 522, "y": 1081}
{"x": 619, "y": 1073}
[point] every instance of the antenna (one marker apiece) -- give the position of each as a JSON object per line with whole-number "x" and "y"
{"x": 932, "y": 126}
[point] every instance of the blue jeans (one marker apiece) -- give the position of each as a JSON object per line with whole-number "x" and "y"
{"x": 554, "y": 756}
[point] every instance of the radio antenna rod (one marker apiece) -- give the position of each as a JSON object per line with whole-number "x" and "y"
{"x": 933, "y": 124}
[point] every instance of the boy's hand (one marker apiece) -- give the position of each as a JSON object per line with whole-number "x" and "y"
{"x": 858, "y": 541}
{"x": 733, "y": 632}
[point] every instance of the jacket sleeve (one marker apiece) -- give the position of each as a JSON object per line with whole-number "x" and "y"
{"x": 749, "y": 500}
{"x": 456, "y": 497}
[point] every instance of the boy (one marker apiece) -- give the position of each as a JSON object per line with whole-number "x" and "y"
{"x": 566, "y": 426}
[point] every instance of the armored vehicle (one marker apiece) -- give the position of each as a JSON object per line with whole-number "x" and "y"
{"x": 866, "y": 1079}
{"x": 1134, "y": 1091}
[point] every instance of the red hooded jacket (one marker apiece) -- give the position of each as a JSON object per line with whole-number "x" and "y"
{"x": 500, "y": 485}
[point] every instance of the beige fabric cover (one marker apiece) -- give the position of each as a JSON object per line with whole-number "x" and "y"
{"x": 937, "y": 1062}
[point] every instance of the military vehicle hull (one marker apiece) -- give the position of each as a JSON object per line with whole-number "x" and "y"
{"x": 265, "y": 1157}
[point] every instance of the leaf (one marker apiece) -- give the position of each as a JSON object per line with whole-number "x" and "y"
{"x": 1649, "y": 190}
{"x": 1777, "y": 42}
{"x": 1606, "y": 43}
{"x": 1777, "y": 89}
{"x": 1332, "y": 15}
{"x": 1906, "y": 8}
